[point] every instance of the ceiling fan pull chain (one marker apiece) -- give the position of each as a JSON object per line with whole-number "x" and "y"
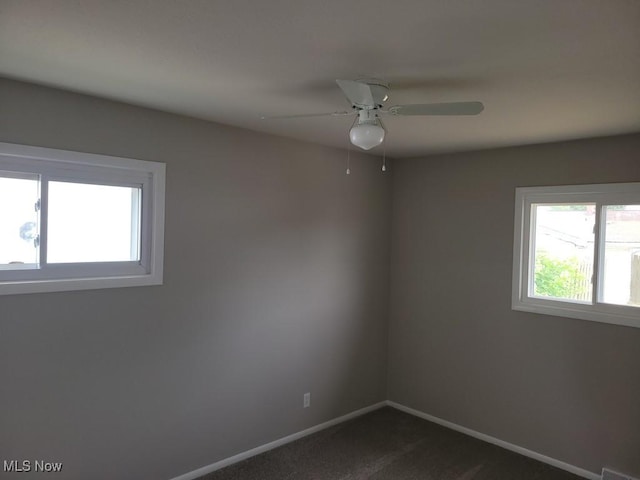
{"x": 384, "y": 157}
{"x": 349, "y": 148}
{"x": 348, "y": 172}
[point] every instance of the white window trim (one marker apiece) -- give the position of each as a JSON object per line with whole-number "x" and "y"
{"x": 612, "y": 194}
{"x": 86, "y": 167}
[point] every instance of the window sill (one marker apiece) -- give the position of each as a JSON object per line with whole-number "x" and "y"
{"x": 65, "y": 285}
{"x": 603, "y": 313}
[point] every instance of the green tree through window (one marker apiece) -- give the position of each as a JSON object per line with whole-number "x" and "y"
{"x": 560, "y": 278}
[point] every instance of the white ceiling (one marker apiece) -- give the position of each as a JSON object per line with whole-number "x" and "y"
{"x": 546, "y": 70}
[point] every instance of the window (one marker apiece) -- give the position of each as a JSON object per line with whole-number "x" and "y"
{"x": 577, "y": 252}
{"x": 76, "y": 221}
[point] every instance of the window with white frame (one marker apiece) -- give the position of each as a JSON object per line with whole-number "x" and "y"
{"x": 75, "y": 221}
{"x": 577, "y": 252}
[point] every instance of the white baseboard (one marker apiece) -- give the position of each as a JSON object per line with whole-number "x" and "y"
{"x": 496, "y": 441}
{"x": 276, "y": 443}
{"x": 608, "y": 474}
{"x": 453, "y": 426}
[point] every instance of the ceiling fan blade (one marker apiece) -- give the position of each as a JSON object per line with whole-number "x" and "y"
{"x": 453, "y": 108}
{"x": 357, "y": 93}
{"x": 308, "y": 115}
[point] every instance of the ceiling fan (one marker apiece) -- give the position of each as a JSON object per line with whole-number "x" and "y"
{"x": 367, "y": 97}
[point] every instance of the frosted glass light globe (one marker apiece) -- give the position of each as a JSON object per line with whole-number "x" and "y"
{"x": 366, "y": 135}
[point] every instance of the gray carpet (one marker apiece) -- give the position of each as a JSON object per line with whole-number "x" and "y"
{"x": 389, "y": 445}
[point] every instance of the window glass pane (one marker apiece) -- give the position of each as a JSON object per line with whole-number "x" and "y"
{"x": 19, "y": 194}
{"x": 621, "y": 272}
{"x": 563, "y": 242}
{"x": 93, "y": 223}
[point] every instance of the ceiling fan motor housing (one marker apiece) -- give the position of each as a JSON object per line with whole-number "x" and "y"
{"x": 379, "y": 91}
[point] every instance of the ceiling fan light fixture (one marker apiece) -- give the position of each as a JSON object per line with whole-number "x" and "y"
{"x": 367, "y": 97}
{"x": 367, "y": 135}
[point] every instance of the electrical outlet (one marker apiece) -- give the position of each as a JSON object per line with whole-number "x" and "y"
{"x": 306, "y": 400}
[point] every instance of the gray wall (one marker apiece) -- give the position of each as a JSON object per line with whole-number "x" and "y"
{"x": 276, "y": 283}
{"x": 569, "y": 389}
